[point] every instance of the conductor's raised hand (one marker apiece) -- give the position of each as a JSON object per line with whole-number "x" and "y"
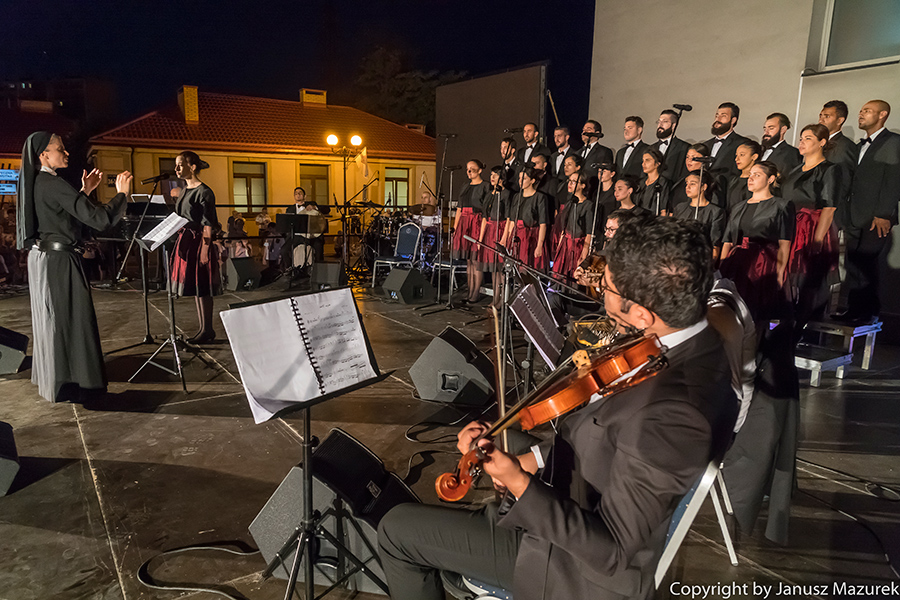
{"x": 90, "y": 181}
{"x": 468, "y": 434}
{"x": 123, "y": 182}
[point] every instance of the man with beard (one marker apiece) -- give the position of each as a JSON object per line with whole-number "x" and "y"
{"x": 628, "y": 158}
{"x": 725, "y": 141}
{"x": 532, "y": 146}
{"x": 775, "y": 148}
{"x": 511, "y": 165}
{"x": 844, "y": 152}
{"x": 593, "y": 153}
{"x": 563, "y": 151}
{"x": 672, "y": 148}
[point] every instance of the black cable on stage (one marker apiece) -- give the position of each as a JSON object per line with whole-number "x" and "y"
{"x": 143, "y": 575}
{"x": 883, "y": 492}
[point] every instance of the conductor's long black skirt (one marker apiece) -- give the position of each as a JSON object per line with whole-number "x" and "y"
{"x": 67, "y": 353}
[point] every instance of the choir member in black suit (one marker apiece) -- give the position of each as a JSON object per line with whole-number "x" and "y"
{"x": 672, "y": 148}
{"x": 725, "y": 140}
{"x": 532, "y": 146}
{"x": 51, "y": 217}
{"x": 526, "y": 225}
{"x": 775, "y": 147}
{"x": 511, "y": 165}
{"x": 593, "y": 153}
{"x": 700, "y": 209}
{"x": 871, "y": 210}
{"x": 493, "y": 222}
{"x": 757, "y": 245}
{"x": 746, "y": 155}
{"x": 843, "y": 151}
{"x": 623, "y": 191}
{"x": 654, "y": 193}
{"x": 694, "y": 152}
{"x": 575, "y": 241}
{"x": 563, "y": 150}
{"x": 813, "y": 189}
{"x": 469, "y": 212}
{"x": 587, "y": 513}
{"x": 628, "y": 158}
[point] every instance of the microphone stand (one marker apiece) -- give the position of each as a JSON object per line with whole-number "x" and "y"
{"x": 440, "y": 236}
{"x": 449, "y": 305}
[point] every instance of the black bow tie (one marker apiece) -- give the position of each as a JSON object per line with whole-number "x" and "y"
{"x": 631, "y": 145}
{"x": 867, "y": 140}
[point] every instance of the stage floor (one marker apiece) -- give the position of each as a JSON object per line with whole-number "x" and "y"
{"x": 105, "y": 487}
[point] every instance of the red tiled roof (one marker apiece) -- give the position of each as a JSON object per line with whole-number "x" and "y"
{"x": 247, "y": 124}
{"x": 16, "y": 126}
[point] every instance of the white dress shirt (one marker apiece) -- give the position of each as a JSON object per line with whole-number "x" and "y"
{"x": 768, "y": 152}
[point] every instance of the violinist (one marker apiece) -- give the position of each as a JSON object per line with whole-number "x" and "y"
{"x": 614, "y": 471}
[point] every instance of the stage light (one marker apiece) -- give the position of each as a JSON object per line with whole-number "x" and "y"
{"x": 356, "y": 140}
{"x": 332, "y": 140}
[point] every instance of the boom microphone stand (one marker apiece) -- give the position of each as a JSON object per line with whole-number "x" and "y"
{"x": 440, "y": 241}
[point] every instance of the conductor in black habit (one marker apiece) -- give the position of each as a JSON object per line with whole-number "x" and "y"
{"x": 725, "y": 141}
{"x": 50, "y": 216}
{"x": 586, "y": 513}
{"x": 871, "y": 210}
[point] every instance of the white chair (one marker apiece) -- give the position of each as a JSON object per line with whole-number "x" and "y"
{"x": 447, "y": 264}
{"x": 405, "y": 252}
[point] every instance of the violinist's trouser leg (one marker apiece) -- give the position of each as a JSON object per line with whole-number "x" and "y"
{"x": 417, "y": 541}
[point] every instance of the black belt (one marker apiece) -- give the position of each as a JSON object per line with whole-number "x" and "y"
{"x": 45, "y": 246}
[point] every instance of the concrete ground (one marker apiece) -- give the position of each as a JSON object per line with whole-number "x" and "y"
{"x": 106, "y": 486}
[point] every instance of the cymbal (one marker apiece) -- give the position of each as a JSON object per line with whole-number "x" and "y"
{"x": 370, "y": 204}
{"x": 426, "y": 210}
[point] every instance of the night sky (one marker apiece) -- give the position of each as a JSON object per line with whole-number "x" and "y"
{"x": 273, "y": 48}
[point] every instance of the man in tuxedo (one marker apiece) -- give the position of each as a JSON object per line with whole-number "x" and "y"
{"x": 871, "y": 210}
{"x": 775, "y": 148}
{"x": 593, "y": 153}
{"x": 672, "y": 148}
{"x": 844, "y": 152}
{"x": 532, "y": 145}
{"x": 725, "y": 141}
{"x": 315, "y": 240}
{"x": 511, "y": 165}
{"x": 586, "y": 513}
{"x": 629, "y": 156}
{"x": 563, "y": 151}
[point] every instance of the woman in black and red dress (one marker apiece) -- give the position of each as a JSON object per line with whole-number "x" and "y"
{"x": 526, "y": 226}
{"x": 195, "y": 260}
{"x": 757, "y": 244}
{"x": 575, "y": 241}
{"x": 492, "y": 228}
{"x": 468, "y": 223}
{"x": 812, "y": 188}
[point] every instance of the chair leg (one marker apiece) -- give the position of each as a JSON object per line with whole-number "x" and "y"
{"x": 374, "y": 270}
{"x": 723, "y": 526}
{"x": 725, "y": 498}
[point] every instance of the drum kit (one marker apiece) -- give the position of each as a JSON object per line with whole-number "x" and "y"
{"x": 376, "y": 227}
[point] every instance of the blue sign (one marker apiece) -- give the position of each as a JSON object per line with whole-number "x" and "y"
{"x": 7, "y": 189}
{"x": 9, "y": 175}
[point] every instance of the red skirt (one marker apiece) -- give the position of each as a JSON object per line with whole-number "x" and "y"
{"x": 753, "y": 268}
{"x": 526, "y": 243}
{"x": 803, "y": 257}
{"x": 470, "y": 225}
{"x": 189, "y": 277}
{"x": 488, "y": 260}
{"x": 566, "y": 258}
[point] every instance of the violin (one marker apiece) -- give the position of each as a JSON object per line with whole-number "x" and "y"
{"x": 592, "y": 269}
{"x": 569, "y": 387}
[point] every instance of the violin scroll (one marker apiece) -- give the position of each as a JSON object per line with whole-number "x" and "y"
{"x": 452, "y": 487}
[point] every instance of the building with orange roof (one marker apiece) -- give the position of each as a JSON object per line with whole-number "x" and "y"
{"x": 260, "y": 149}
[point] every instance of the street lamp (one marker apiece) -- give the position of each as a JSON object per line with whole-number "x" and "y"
{"x": 345, "y": 153}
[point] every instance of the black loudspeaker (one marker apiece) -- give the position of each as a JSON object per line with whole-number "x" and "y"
{"x": 408, "y": 286}
{"x": 326, "y": 276}
{"x": 350, "y": 482}
{"x": 453, "y": 370}
{"x": 241, "y": 274}
{"x": 9, "y": 458}
{"x": 12, "y": 350}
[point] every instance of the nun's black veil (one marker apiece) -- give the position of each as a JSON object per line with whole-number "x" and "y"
{"x": 26, "y": 219}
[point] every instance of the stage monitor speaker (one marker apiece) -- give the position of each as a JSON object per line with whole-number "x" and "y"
{"x": 408, "y": 286}
{"x": 326, "y": 276}
{"x": 351, "y": 480}
{"x": 12, "y": 350}
{"x": 9, "y": 458}
{"x": 241, "y": 274}
{"x": 452, "y": 369}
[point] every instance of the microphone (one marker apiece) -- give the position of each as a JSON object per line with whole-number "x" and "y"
{"x": 155, "y": 179}
{"x": 684, "y": 107}
{"x": 453, "y": 168}
{"x": 447, "y": 135}
{"x": 422, "y": 180}
{"x": 703, "y": 159}
{"x": 513, "y": 130}
{"x": 592, "y": 134}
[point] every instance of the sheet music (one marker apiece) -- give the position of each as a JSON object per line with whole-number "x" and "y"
{"x": 538, "y": 324}
{"x": 164, "y": 230}
{"x": 298, "y": 349}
